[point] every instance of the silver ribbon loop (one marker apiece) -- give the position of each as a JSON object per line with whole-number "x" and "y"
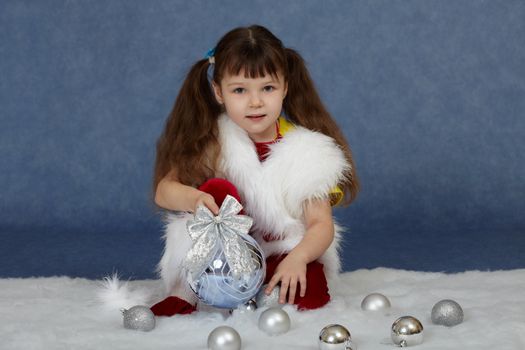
{"x": 225, "y": 231}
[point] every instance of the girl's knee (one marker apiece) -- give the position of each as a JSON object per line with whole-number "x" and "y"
{"x": 219, "y": 189}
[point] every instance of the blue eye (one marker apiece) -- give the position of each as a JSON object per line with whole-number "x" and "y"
{"x": 238, "y": 91}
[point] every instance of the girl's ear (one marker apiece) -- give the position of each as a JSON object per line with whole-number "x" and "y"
{"x": 285, "y": 90}
{"x": 217, "y": 91}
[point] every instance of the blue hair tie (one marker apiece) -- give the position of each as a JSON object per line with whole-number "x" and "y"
{"x": 210, "y": 53}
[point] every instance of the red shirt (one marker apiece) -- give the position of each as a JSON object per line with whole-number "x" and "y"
{"x": 263, "y": 151}
{"x": 263, "y": 148}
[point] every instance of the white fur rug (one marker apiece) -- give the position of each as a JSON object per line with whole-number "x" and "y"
{"x": 64, "y": 313}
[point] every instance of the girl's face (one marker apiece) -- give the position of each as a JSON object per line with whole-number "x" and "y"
{"x": 253, "y": 103}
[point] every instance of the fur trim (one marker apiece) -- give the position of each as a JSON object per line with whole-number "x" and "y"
{"x": 177, "y": 244}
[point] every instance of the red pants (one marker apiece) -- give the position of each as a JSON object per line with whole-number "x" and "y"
{"x": 316, "y": 286}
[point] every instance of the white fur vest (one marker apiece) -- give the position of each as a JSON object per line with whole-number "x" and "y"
{"x": 303, "y": 165}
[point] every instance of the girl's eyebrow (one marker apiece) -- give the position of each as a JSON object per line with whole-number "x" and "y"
{"x": 272, "y": 81}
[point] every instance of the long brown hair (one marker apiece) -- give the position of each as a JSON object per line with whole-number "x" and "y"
{"x": 189, "y": 146}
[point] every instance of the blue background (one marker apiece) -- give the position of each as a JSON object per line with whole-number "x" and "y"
{"x": 430, "y": 94}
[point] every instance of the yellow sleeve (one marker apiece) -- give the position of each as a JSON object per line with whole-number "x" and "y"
{"x": 285, "y": 125}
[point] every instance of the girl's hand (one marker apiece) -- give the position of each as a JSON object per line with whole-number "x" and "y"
{"x": 289, "y": 272}
{"x": 208, "y": 201}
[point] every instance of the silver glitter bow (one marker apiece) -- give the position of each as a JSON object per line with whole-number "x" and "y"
{"x": 224, "y": 231}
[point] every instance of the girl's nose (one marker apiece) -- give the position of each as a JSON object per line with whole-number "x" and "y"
{"x": 255, "y": 101}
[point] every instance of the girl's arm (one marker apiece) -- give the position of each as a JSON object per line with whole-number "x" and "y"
{"x": 173, "y": 195}
{"x": 318, "y": 237}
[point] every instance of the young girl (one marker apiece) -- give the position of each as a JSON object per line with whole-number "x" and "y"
{"x": 248, "y": 122}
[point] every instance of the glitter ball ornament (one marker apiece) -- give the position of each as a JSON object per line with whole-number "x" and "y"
{"x": 335, "y": 337}
{"x": 274, "y": 321}
{"x": 224, "y": 338}
{"x": 268, "y": 300}
{"x": 407, "y": 331}
{"x": 375, "y": 302}
{"x": 447, "y": 313}
{"x": 139, "y": 318}
{"x": 225, "y": 266}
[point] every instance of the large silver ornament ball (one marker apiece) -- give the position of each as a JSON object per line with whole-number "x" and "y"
{"x": 274, "y": 321}
{"x": 271, "y": 300}
{"x": 216, "y": 285}
{"x": 407, "y": 331}
{"x": 335, "y": 337}
{"x": 225, "y": 265}
{"x": 447, "y": 313}
{"x": 224, "y": 338}
{"x": 139, "y": 318}
{"x": 375, "y": 302}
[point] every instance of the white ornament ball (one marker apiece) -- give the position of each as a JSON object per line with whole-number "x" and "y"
{"x": 335, "y": 337}
{"x": 224, "y": 338}
{"x": 375, "y": 302}
{"x": 274, "y": 321}
{"x": 139, "y": 318}
{"x": 447, "y": 313}
{"x": 407, "y": 331}
{"x": 271, "y": 300}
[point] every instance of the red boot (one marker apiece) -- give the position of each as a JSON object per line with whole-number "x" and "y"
{"x": 173, "y": 306}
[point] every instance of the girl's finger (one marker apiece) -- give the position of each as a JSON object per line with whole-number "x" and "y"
{"x": 303, "y": 286}
{"x": 273, "y": 282}
{"x": 284, "y": 289}
{"x": 293, "y": 289}
{"x": 210, "y": 203}
{"x": 198, "y": 204}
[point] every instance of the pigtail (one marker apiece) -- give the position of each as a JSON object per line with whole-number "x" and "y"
{"x": 304, "y": 107}
{"x": 188, "y": 146}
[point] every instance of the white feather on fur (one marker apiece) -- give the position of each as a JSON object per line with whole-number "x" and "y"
{"x": 115, "y": 294}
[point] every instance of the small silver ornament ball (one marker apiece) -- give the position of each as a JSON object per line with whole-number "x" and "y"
{"x": 447, "y": 313}
{"x": 224, "y": 338}
{"x": 407, "y": 331}
{"x": 249, "y": 306}
{"x": 375, "y": 302}
{"x": 139, "y": 318}
{"x": 274, "y": 321}
{"x": 335, "y": 337}
{"x": 268, "y": 300}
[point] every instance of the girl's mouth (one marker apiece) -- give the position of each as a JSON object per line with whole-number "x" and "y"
{"x": 256, "y": 117}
